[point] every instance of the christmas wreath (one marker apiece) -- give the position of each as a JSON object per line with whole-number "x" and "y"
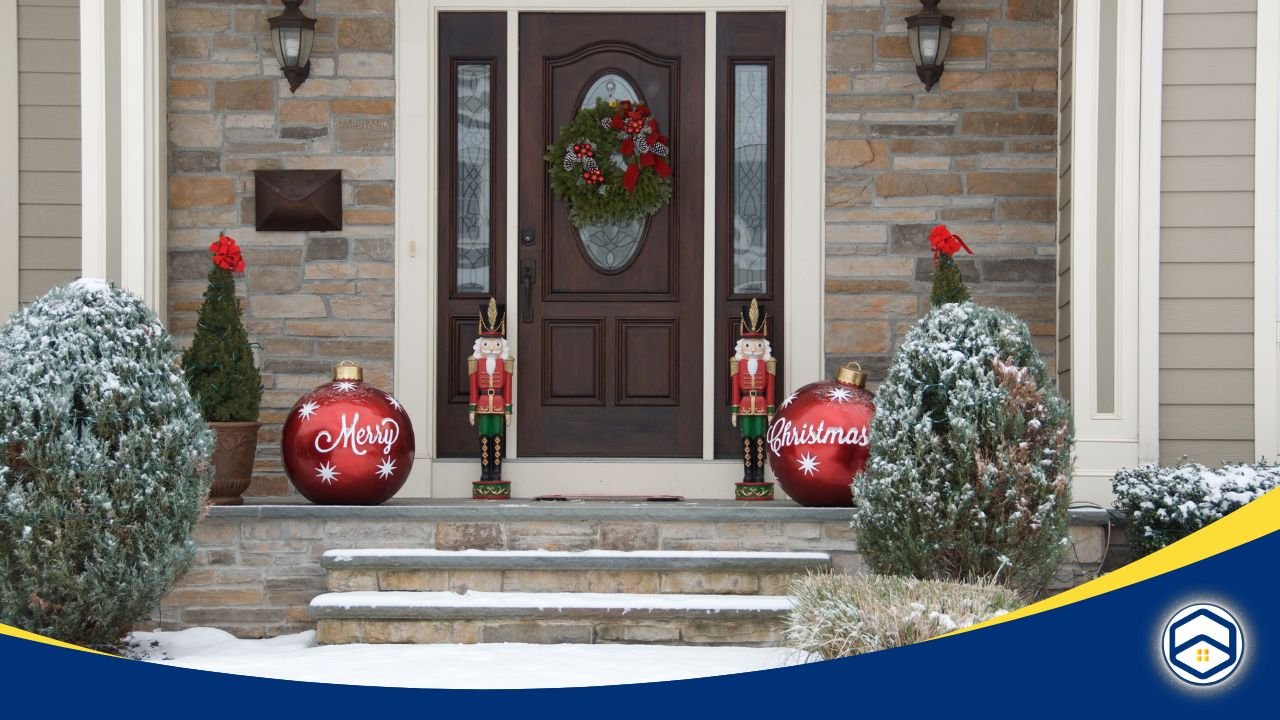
{"x": 586, "y": 174}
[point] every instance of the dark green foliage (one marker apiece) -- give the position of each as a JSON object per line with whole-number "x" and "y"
{"x": 970, "y": 470}
{"x": 104, "y": 465}
{"x": 219, "y": 364}
{"x": 948, "y": 287}
{"x": 588, "y": 206}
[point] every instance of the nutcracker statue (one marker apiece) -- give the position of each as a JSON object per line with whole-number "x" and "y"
{"x": 752, "y": 370}
{"x": 491, "y": 367}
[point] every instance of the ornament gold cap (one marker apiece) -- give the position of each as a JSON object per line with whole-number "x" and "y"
{"x": 349, "y": 371}
{"x": 851, "y": 375}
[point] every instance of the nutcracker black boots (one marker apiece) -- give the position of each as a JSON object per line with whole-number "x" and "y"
{"x": 486, "y": 471}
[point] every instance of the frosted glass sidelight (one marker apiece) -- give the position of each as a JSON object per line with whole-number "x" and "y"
{"x": 750, "y": 179}
{"x": 472, "y": 225}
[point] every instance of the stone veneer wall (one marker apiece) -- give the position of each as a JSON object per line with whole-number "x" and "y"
{"x": 258, "y": 567}
{"x": 310, "y": 298}
{"x": 976, "y": 153}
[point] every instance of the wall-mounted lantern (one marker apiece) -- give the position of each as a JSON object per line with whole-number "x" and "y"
{"x": 292, "y": 35}
{"x": 929, "y": 33}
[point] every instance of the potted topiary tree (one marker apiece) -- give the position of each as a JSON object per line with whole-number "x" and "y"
{"x": 223, "y": 377}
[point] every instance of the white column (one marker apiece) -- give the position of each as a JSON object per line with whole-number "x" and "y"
{"x": 8, "y": 158}
{"x": 1109, "y": 433}
{"x": 1265, "y": 188}
{"x": 94, "y": 178}
{"x": 143, "y": 168}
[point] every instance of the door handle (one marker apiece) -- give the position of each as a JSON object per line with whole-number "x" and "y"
{"x": 527, "y": 267}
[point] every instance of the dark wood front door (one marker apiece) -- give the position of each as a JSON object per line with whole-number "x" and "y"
{"x": 610, "y": 317}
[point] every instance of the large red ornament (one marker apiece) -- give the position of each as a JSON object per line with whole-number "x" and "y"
{"x": 820, "y": 439}
{"x": 347, "y": 443}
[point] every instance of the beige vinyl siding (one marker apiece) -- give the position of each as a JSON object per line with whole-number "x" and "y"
{"x": 1206, "y": 243}
{"x": 1064, "y": 200}
{"x": 48, "y": 145}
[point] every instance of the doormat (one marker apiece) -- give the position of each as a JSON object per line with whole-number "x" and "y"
{"x": 612, "y": 498}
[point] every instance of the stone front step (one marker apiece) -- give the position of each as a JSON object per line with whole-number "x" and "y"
{"x": 489, "y": 617}
{"x": 599, "y": 571}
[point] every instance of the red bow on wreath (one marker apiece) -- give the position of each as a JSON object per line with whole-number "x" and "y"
{"x": 944, "y": 242}
{"x": 643, "y": 142}
{"x": 226, "y": 254}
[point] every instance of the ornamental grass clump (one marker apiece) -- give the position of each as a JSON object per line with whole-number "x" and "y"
{"x": 219, "y": 365}
{"x": 970, "y": 468}
{"x": 104, "y": 464}
{"x": 1165, "y": 504}
{"x": 839, "y": 615}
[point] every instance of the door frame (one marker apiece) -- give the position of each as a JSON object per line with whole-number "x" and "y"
{"x": 416, "y": 242}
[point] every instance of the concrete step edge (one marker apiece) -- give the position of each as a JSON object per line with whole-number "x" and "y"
{"x": 411, "y": 605}
{"x": 670, "y": 560}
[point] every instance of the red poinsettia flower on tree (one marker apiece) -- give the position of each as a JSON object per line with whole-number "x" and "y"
{"x": 226, "y": 254}
{"x": 943, "y": 241}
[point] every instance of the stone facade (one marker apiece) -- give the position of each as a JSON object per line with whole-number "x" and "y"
{"x": 976, "y": 153}
{"x": 309, "y": 298}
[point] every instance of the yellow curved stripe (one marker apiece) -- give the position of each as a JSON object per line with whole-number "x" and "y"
{"x": 24, "y": 635}
{"x": 1258, "y": 518}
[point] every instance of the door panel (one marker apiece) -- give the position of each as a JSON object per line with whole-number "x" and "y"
{"x": 609, "y": 342}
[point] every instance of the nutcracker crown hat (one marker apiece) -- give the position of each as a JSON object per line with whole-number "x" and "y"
{"x": 755, "y": 322}
{"x": 493, "y": 319}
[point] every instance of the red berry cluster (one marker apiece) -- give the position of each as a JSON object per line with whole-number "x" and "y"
{"x": 226, "y": 254}
{"x": 583, "y": 150}
{"x": 634, "y": 125}
{"x": 593, "y": 177}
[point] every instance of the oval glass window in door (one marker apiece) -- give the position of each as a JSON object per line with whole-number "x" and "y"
{"x": 611, "y": 247}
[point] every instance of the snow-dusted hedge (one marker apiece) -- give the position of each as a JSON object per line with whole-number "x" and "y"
{"x": 103, "y": 464}
{"x": 841, "y": 615}
{"x": 1166, "y": 504}
{"x": 970, "y": 470}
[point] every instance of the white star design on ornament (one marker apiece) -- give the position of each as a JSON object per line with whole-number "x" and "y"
{"x": 346, "y": 386}
{"x": 394, "y": 403}
{"x": 386, "y": 468}
{"x": 790, "y": 399}
{"x": 840, "y": 395}
{"x": 809, "y": 464}
{"x": 308, "y": 409}
{"x": 328, "y": 473}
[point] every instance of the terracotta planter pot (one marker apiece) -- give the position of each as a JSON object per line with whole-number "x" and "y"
{"x": 233, "y": 455}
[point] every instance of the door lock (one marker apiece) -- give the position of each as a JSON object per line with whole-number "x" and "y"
{"x": 527, "y": 236}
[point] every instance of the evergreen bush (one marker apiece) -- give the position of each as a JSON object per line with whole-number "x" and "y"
{"x": 839, "y": 615}
{"x": 1165, "y": 504}
{"x": 970, "y": 468}
{"x": 219, "y": 364}
{"x": 104, "y": 464}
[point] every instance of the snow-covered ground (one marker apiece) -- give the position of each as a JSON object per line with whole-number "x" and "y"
{"x": 297, "y": 657}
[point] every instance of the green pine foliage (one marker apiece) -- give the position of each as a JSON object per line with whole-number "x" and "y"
{"x": 219, "y": 364}
{"x": 970, "y": 469}
{"x": 104, "y": 464}
{"x": 948, "y": 287}
{"x": 587, "y": 205}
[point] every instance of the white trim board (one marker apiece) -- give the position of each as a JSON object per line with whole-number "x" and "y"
{"x": 416, "y": 229}
{"x": 1151, "y": 93}
{"x": 9, "y": 242}
{"x": 1266, "y": 434}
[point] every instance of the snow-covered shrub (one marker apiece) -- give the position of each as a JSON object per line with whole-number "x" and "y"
{"x": 1166, "y": 504}
{"x": 103, "y": 464}
{"x": 841, "y": 615}
{"x": 970, "y": 469}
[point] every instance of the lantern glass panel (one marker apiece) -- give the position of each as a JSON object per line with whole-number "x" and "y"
{"x": 913, "y": 38}
{"x": 944, "y": 44}
{"x": 309, "y": 38}
{"x": 930, "y": 42}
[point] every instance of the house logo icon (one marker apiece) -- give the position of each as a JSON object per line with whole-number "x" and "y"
{"x": 1202, "y": 644}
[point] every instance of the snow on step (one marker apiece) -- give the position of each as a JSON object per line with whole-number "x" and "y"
{"x": 449, "y": 605}
{"x": 413, "y": 559}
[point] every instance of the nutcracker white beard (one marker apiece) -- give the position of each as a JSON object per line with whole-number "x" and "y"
{"x": 479, "y": 354}
{"x": 740, "y": 352}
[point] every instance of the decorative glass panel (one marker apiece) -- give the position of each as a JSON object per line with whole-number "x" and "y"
{"x": 750, "y": 179}
{"x": 472, "y": 221}
{"x": 611, "y": 246}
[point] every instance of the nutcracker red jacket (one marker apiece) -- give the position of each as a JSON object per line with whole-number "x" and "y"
{"x": 491, "y": 391}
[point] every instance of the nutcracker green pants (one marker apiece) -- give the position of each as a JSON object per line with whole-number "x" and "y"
{"x": 751, "y": 426}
